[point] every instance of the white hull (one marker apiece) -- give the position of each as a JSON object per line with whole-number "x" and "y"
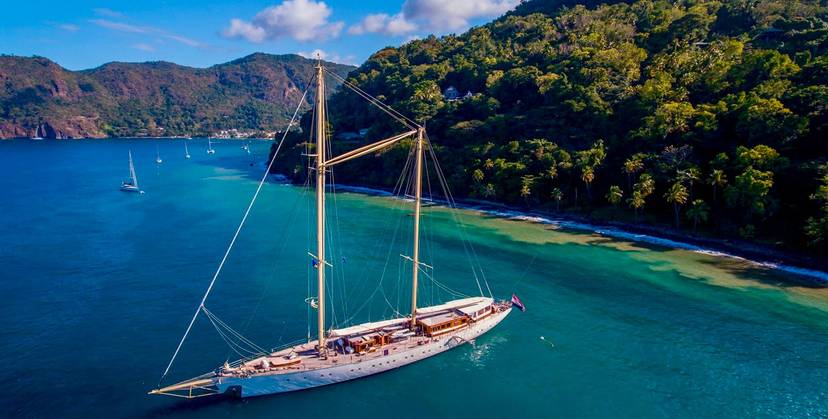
{"x": 131, "y": 188}
{"x": 354, "y": 367}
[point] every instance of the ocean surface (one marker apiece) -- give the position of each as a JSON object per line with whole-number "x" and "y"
{"x": 98, "y": 286}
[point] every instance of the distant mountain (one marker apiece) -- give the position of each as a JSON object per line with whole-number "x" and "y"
{"x": 256, "y": 93}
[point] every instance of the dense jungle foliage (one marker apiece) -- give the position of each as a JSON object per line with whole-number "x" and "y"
{"x": 708, "y": 115}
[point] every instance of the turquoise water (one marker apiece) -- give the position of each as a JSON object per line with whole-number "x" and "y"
{"x": 98, "y": 286}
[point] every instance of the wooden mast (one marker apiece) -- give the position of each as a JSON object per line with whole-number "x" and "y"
{"x": 320, "y": 202}
{"x": 417, "y": 203}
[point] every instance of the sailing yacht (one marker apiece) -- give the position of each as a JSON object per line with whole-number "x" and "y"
{"x": 131, "y": 184}
{"x": 186, "y": 151}
{"x": 158, "y": 156}
{"x": 338, "y": 355}
{"x": 210, "y": 147}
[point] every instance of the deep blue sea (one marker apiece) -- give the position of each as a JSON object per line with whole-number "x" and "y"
{"x": 98, "y": 285}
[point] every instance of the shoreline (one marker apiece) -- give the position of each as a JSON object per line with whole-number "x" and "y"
{"x": 809, "y": 271}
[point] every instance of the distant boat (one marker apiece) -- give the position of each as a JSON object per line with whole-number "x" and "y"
{"x": 158, "y": 156}
{"x": 186, "y": 152}
{"x": 37, "y": 138}
{"x": 246, "y": 147}
{"x": 210, "y": 147}
{"x": 131, "y": 184}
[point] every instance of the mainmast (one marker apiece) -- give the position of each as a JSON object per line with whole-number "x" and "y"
{"x": 320, "y": 201}
{"x": 417, "y": 203}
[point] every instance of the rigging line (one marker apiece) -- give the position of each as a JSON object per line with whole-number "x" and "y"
{"x": 292, "y": 212}
{"x": 329, "y": 234}
{"x": 378, "y": 103}
{"x": 443, "y": 286}
{"x": 230, "y": 330}
{"x": 238, "y": 349}
{"x": 308, "y": 222}
{"x": 452, "y": 205}
{"x": 429, "y": 233}
{"x": 336, "y": 237}
{"x": 284, "y": 243}
{"x": 232, "y": 241}
{"x": 398, "y": 203}
{"x": 219, "y": 325}
{"x": 525, "y": 270}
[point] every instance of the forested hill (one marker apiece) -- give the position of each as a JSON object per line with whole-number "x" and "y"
{"x": 708, "y": 114}
{"x": 258, "y": 93}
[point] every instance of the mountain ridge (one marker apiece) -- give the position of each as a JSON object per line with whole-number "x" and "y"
{"x": 257, "y": 93}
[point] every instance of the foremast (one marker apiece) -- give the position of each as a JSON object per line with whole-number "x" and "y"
{"x": 320, "y": 203}
{"x": 415, "y": 256}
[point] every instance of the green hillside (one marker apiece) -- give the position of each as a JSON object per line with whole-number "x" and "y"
{"x": 257, "y": 92}
{"x": 706, "y": 114}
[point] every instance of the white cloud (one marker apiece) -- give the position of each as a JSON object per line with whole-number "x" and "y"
{"x": 302, "y": 20}
{"x": 144, "y": 47}
{"x": 103, "y": 11}
{"x": 435, "y": 15}
{"x": 121, "y": 27}
{"x": 336, "y": 58}
{"x": 383, "y": 23}
{"x": 317, "y": 53}
{"x": 147, "y": 30}
{"x": 69, "y": 27}
{"x": 241, "y": 29}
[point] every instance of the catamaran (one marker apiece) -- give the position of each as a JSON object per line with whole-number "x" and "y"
{"x": 186, "y": 152}
{"x": 210, "y": 147}
{"x": 131, "y": 184}
{"x": 336, "y": 355}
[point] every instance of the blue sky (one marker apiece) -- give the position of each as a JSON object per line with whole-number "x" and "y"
{"x": 85, "y": 34}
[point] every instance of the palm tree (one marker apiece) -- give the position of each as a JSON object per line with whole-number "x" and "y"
{"x": 588, "y": 175}
{"x": 698, "y": 211}
{"x": 557, "y": 195}
{"x": 677, "y": 195}
{"x": 489, "y": 190}
{"x": 636, "y": 201}
{"x": 717, "y": 179}
{"x": 641, "y": 190}
{"x": 526, "y": 183}
{"x": 633, "y": 165}
{"x": 588, "y": 160}
{"x": 691, "y": 175}
{"x": 615, "y": 194}
{"x": 645, "y": 185}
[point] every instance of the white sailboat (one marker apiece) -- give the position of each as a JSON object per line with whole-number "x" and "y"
{"x": 131, "y": 184}
{"x": 158, "y": 156}
{"x": 210, "y": 147}
{"x": 186, "y": 151}
{"x": 348, "y": 353}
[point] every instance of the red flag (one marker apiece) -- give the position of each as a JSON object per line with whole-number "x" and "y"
{"x": 517, "y": 303}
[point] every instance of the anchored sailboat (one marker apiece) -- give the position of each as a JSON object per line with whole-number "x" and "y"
{"x": 210, "y": 147}
{"x": 158, "y": 155}
{"x": 186, "y": 151}
{"x": 338, "y": 355}
{"x": 131, "y": 184}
